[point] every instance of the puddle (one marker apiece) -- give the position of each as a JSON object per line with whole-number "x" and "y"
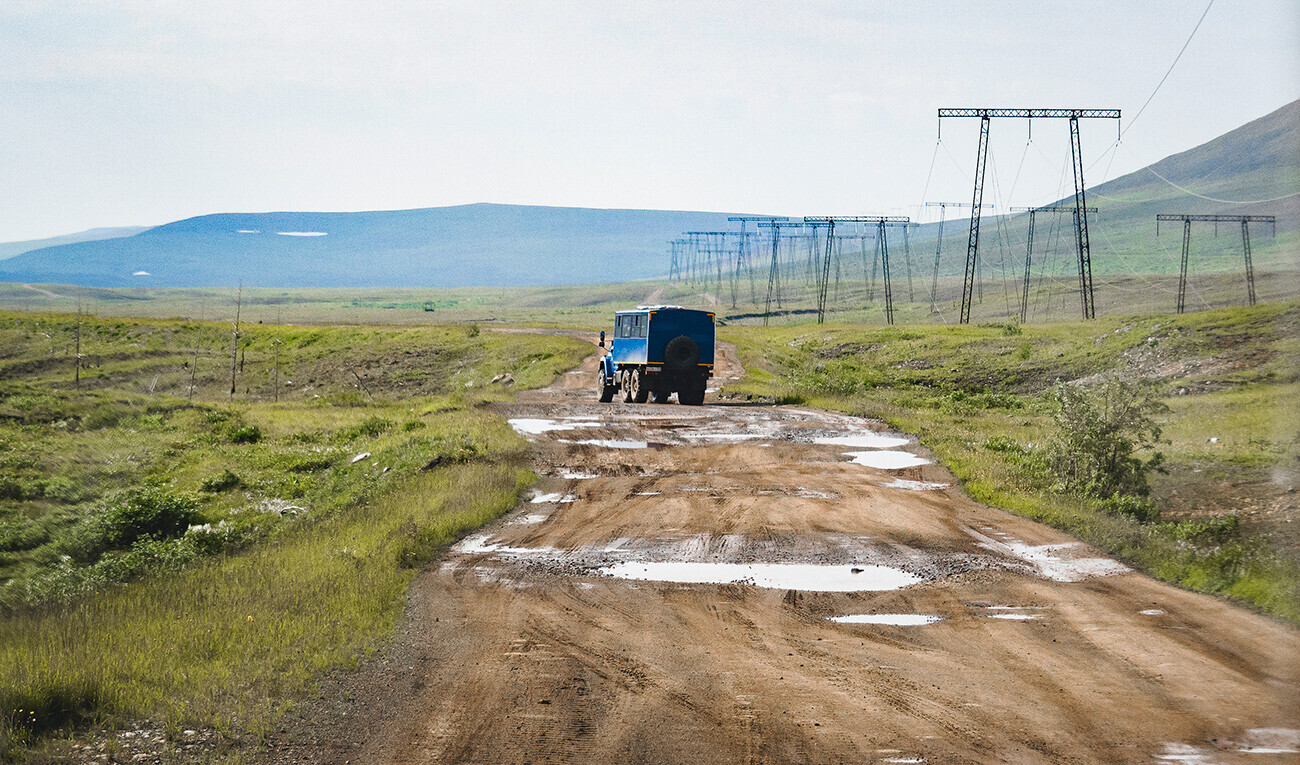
{"x": 887, "y": 460}
{"x": 577, "y": 476}
{"x": 609, "y": 443}
{"x": 1271, "y": 741}
{"x": 867, "y": 440}
{"x": 553, "y": 497}
{"x": 1056, "y": 562}
{"x": 903, "y": 759}
{"x": 1184, "y": 753}
{"x": 896, "y": 620}
{"x": 903, "y": 483}
{"x": 721, "y": 437}
{"x": 529, "y": 519}
{"x": 646, "y": 494}
{"x": 783, "y": 576}
{"x": 478, "y": 544}
{"x": 1015, "y": 617}
{"x": 533, "y": 426}
{"x": 1152, "y": 612}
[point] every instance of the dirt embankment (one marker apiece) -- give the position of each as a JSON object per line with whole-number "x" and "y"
{"x": 746, "y": 583}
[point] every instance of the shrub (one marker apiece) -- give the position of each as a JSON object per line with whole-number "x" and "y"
{"x": 370, "y": 427}
{"x": 130, "y": 516}
{"x": 1212, "y": 531}
{"x": 220, "y": 482}
{"x": 1099, "y": 430}
{"x": 244, "y": 434}
{"x": 1140, "y": 509}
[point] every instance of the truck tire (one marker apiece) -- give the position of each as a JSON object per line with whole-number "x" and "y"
{"x": 681, "y": 353}
{"x": 627, "y": 387}
{"x": 640, "y": 387}
{"x": 693, "y": 393}
{"x": 605, "y": 387}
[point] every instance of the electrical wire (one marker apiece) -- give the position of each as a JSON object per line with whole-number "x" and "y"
{"x": 1171, "y": 70}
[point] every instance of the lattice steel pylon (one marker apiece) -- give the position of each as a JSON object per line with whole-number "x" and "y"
{"x": 1244, "y": 220}
{"x": 938, "y": 249}
{"x": 1080, "y": 201}
{"x": 774, "y": 271}
{"x": 881, "y": 222}
{"x": 744, "y": 247}
{"x": 1029, "y": 248}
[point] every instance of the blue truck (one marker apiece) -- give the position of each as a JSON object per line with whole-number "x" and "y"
{"x": 657, "y": 351}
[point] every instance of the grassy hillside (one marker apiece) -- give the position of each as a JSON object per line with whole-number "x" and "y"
{"x": 10, "y": 249}
{"x": 194, "y": 561}
{"x": 976, "y": 395}
{"x": 481, "y": 244}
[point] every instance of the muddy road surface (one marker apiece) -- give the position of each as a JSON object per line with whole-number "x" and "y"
{"x": 737, "y": 583}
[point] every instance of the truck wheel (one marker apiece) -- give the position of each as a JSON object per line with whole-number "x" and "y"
{"x": 640, "y": 387}
{"x": 605, "y": 387}
{"x": 627, "y": 387}
{"x": 692, "y": 394}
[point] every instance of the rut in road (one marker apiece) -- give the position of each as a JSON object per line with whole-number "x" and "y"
{"x": 745, "y": 583}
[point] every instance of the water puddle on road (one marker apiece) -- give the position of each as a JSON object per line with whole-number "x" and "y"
{"x": 553, "y": 497}
{"x": 577, "y": 476}
{"x": 781, "y": 576}
{"x": 906, "y": 485}
{"x": 866, "y": 440}
{"x": 1059, "y": 562}
{"x": 887, "y": 460}
{"x": 529, "y": 519}
{"x": 608, "y": 443}
{"x": 535, "y": 426}
{"x": 894, "y": 620}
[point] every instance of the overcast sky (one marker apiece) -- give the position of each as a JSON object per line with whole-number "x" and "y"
{"x": 126, "y": 113}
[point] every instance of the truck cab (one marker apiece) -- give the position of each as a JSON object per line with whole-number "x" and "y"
{"x": 657, "y": 351}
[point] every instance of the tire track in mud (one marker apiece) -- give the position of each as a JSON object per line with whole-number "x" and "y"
{"x": 1043, "y": 651}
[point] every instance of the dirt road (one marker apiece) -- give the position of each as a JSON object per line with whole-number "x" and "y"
{"x": 671, "y": 595}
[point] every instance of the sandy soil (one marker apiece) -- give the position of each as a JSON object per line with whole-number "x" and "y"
{"x": 522, "y": 647}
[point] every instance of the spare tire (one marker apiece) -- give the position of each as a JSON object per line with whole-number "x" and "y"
{"x": 681, "y": 353}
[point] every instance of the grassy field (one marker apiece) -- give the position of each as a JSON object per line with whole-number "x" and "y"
{"x": 852, "y": 298}
{"x": 976, "y": 396}
{"x": 194, "y": 559}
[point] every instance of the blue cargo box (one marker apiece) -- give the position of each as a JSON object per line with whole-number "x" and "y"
{"x": 657, "y": 351}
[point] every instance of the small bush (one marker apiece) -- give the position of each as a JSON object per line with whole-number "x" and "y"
{"x": 220, "y": 482}
{"x": 371, "y": 427}
{"x": 22, "y": 534}
{"x": 130, "y": 516}
{"x": 64, "y": 489}
{"x": 244, "y": 434}
{"x": 1205, "y": 531}
{"x": 1140, "y": 509}
{"x": 1099, "y": 430}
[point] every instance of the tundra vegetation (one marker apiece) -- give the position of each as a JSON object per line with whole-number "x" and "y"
{"x": 1171, "y": 442}
{"x": 195, "y": 558}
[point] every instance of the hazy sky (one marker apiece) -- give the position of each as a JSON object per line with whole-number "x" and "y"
{"x": 123, "y": 113}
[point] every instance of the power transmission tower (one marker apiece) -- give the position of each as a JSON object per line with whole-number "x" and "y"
{"x": 938, "y": 249}
{"x": 1244, "y": 220}
{"x": 881, "y": 222}
{"x": 1080, "y": 204}
{"x": 744, "y": 245}
{"x": 1029, "y": 250}
{"x": 774, "y": 271}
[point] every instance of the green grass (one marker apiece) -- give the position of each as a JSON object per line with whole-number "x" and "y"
{"x": 195, "y": 562}
{"x": 973, "y": 394}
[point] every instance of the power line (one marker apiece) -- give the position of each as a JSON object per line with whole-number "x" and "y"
{"x": 1171, "y": 70}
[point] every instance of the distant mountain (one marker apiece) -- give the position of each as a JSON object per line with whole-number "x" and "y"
{"x": 10, "y": 249}
{"x": 478, "y": 244}
{"x": 494, "y": 244}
